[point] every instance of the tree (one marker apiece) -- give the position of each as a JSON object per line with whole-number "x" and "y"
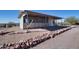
{"x": 71, "y": 20}
{"x": 10, "y": 24}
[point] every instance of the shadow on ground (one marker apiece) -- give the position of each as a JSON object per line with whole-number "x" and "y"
{"x": 54, "y": 28}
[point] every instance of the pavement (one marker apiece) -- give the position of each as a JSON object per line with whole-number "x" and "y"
{"x": 66, "y": 40}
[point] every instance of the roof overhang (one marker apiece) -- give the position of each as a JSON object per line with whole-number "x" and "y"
{"x": 30, "y": 13}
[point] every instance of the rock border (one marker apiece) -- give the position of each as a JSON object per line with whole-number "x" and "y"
{"x": 34, "y": 41}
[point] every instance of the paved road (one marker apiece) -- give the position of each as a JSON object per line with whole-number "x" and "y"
{"x": 67, "y": 40}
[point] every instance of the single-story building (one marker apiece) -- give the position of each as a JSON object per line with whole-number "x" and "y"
{"x": 34, "y": 19}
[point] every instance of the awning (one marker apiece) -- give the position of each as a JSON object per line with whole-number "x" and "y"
{"x": 37, "y": 14}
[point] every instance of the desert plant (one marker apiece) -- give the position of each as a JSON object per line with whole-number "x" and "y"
{"x": 71, "y": 20}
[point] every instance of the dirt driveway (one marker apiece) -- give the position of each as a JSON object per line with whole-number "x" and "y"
{"x": 67, "y": 40}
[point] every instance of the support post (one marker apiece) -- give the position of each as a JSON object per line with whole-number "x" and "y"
{"x": 21, "y": 23}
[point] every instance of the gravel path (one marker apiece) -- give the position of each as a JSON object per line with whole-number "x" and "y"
{"x": 67, "y": 40}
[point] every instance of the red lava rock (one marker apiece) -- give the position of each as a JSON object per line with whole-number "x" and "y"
{"x": 41, "y": 37}
{"x": 23, "y": 45}
{"x": 17, "y": 46}
{"x": 21, "y": 41}
{"x": 45, "y": 34}
{"x": 1, "y": 46}
{"x": 34, "y": 42}
{"x": 35, "y": 38}
{"x": 38, "y": 39}
{"x": 7, "y": 47}
{"x": 10, "y": 44}
{"x": 54, "y": 35}
{"x": 30, "y": 41}
{"x": 27, "y": 44}
{"x": 4, "y": 45}
{"x": 60, "y": 32}
{"x": 51, "y": 35}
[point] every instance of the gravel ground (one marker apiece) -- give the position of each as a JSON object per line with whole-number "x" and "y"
{"x": 17, "y": 37}
{"x": 66, "y": 40}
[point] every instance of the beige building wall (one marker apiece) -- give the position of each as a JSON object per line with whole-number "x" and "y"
{"x": 36, "y": 24}
{"x": 50, "y": 21}
{"x": 33, "y": 25}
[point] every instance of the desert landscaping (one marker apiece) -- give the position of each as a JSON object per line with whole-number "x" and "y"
{"x": 15, "y": 35}
{"x": 12, "y": 38}
{"x": 36, "y": 30}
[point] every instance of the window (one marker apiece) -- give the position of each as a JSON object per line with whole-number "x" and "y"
{"x": 46, "y": 19}
{"x": 38, "y": 19}
{"x": 24, "y": 20}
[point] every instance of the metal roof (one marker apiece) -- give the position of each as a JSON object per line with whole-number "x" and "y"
{"x": 37, "y": 14}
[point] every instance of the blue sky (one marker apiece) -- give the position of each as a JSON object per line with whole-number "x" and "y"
{"x": 12, "y": 15}
{"x": 9, "y": 16}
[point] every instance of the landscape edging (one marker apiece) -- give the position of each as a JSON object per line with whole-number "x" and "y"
{"x": 33, "y": 41}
